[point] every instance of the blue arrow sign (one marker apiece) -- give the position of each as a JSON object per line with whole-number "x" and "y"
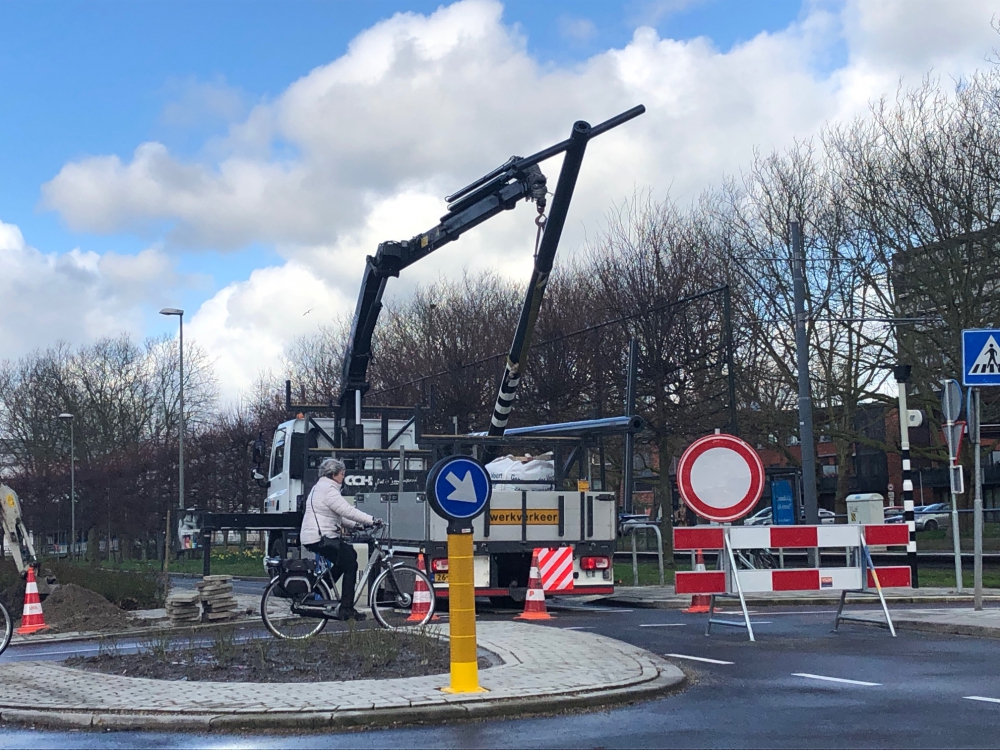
{"x": 458, "y": 488}
{"x": 981, "y": 357}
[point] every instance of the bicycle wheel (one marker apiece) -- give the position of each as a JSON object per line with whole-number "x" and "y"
{"x": 281, "y": 621}
{"x": 7, "y": 626}
{"x": 402, "y": 597}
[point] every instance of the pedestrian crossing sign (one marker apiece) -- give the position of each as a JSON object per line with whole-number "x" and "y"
{"x": 981, "y": 357}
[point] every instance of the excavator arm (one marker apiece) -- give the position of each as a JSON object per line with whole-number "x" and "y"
{"x": 14, "y": 531}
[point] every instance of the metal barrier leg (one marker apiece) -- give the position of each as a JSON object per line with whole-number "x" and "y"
{"x": 739, "y": 588}
{"x": 836, "y": 621}
{"x": 635, "y": 561}
{"x": 711, "y": 614}
{"x": 867, "y": 565}
{"x": 878, "y": 586}
{"x": 659, "y": 552}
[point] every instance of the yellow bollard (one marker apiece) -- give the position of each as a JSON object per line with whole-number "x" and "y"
{"x": 462, "y": 606}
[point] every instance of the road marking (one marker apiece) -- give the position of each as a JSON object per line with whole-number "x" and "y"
{"x": 982, "y": 698}
{"x": 699, "y": 658}
{"x": 663, "y": 625}
{"x": 580, "y": 627}
{"x": 835, "y": 679}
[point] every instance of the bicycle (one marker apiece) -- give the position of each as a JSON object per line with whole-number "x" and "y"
{"x": 301, "y": 614}
{"x": 8, "y": 628}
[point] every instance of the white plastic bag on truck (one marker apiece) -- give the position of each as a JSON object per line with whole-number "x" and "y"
{"x": 506, "y": 470}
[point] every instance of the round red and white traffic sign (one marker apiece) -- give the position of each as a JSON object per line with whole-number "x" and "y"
{"x": 720, "y": 477}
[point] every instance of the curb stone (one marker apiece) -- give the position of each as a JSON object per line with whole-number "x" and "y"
{"x": 542, "y": 670}
{"x": 667, "y": 681}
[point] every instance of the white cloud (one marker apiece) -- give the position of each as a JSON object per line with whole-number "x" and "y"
{"x": 77, "y": 296}
{"x": 360, "y": 150}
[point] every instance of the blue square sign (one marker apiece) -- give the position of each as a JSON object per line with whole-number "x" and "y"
{"x": 981, "y": 357}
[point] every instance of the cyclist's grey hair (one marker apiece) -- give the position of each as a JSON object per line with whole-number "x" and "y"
{"x": 331, "y": 467}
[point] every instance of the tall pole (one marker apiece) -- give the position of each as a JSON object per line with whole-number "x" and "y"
{"x": 72, "y": 485}
{"x": 630, "y": 388}
{"x": 805, "y": 397}
{"x": 977, "y": 513}
{"x": 902, "y": 373}
{"x": 180, "y": 471}
{"x": 727, "y": 313}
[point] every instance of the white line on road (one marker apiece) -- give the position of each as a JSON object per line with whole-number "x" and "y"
{"x": 835, "y": 679}
{"x": 699, "y": 658}
{"x": 982, "y": 698}
{"x": 663, "y": 625}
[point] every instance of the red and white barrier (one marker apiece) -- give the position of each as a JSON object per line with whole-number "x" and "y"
{"x": 789, "y": 537}
{"x": 555, "y": 564}
{"x": 731, "y": 580}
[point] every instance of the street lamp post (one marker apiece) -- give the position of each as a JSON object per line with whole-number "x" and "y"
{"x": 180, "y": 441}
{"x": 180, "y": 462}
{"x": 72, "y": 482}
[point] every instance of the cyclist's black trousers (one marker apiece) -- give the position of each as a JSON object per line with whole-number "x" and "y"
{"x": 344, "y": 560}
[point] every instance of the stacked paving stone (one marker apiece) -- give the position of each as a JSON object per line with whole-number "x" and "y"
{"x": 217, "y": 598}
{"x": 184, "y": 607}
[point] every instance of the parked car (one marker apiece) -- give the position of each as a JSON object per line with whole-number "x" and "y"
{"x": 932, "y": 517}
{"x": 763, "y": 517}
{"x": 760, "y": 518}
{"x": 926, "y": 517}
{"x": 626, "y": 521}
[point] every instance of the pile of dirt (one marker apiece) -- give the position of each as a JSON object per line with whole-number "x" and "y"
{"x": 70, "y": 607}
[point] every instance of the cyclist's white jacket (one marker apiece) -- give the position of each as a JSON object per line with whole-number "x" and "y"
{"x": 327, "y": 513}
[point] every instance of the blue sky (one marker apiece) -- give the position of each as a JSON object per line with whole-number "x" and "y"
{"x": 87, "y": 78}
{"x": 239, "y": 159}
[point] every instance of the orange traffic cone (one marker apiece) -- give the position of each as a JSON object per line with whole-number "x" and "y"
{"x": 421, "y": 596}
{"x": 699, "y": 602}
{"x": 31, "y": 616}
{"x": 534, "y": 600}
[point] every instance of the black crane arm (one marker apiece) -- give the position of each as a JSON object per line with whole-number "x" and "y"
{"x": 500, "y": 190}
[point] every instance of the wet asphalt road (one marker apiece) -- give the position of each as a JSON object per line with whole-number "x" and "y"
{"x": 799, "y": 685}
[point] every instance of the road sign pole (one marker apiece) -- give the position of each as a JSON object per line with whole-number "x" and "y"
{"x": 458, "y": 490}
{"x": 975, "y": 414}
{"x": 462, "y": 608}
{"x": 952, "y": 406}
{"x": 902, "y": 373}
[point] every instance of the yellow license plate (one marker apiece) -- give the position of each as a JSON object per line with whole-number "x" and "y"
{"x": 440, "y": 578}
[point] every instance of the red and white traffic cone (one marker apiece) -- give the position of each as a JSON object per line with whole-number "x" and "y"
{"x": 699, "y": 602}
{"x": 421, "y": 596}
{"x": 32, "y": 619}
{"x": 534, "y": 599}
